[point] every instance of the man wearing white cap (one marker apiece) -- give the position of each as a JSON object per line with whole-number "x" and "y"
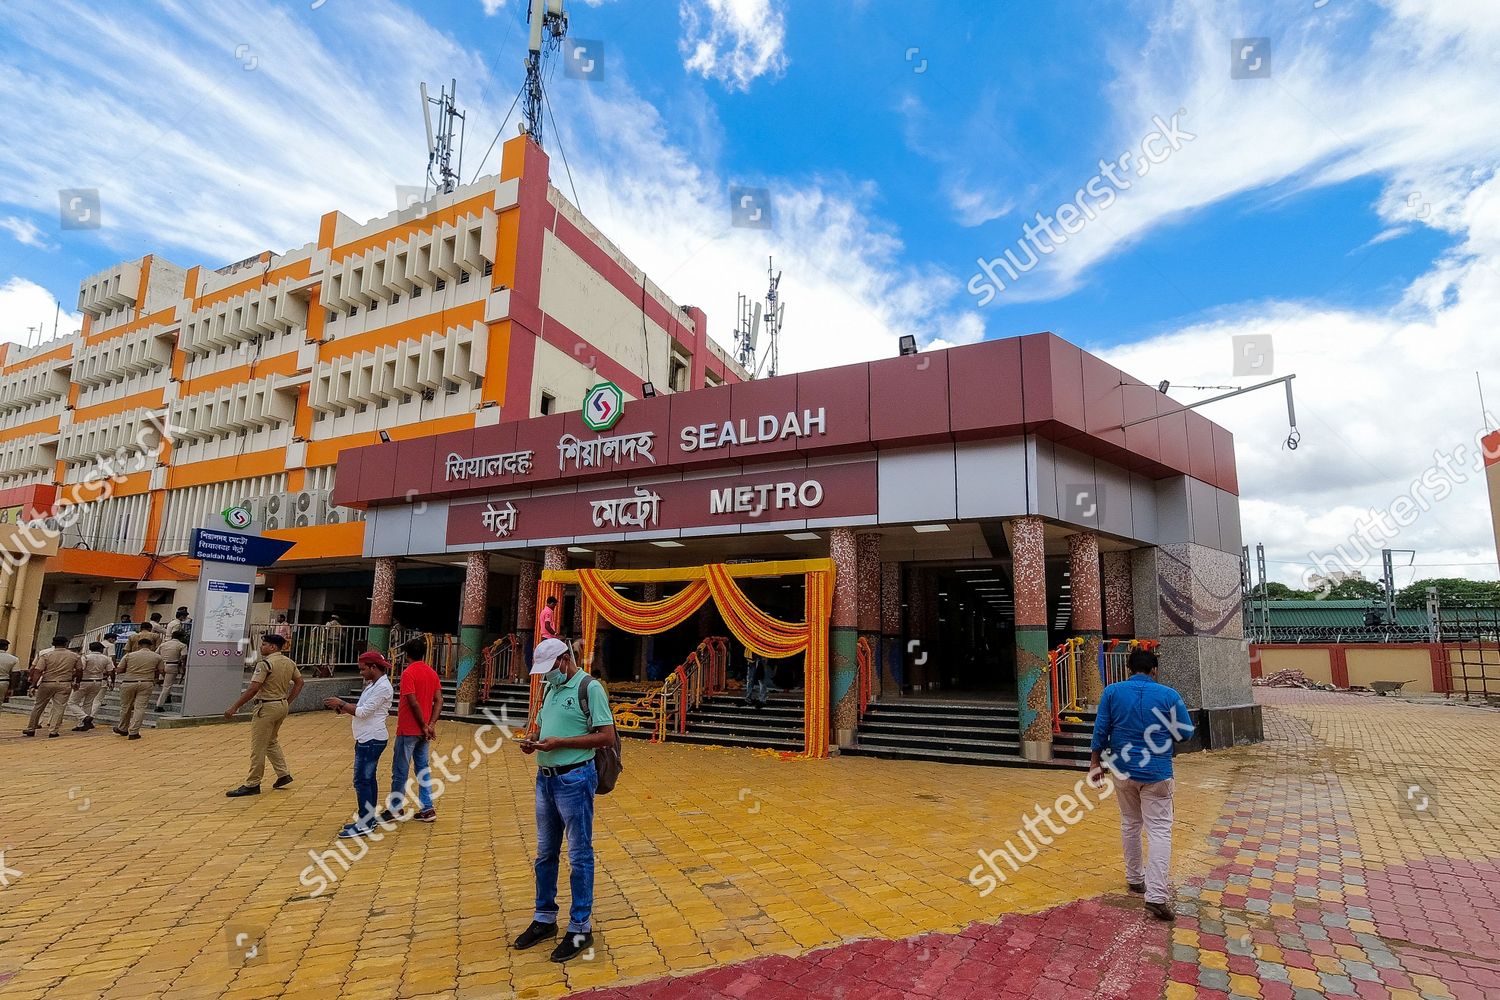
{"x": 573, "y": 722}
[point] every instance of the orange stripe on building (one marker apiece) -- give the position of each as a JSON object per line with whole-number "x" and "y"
{"x": 328, "y": 541}
{"x": 56, "y": 354}
{"x": 470, "y": 207}
{"x": 214, "y": 470}
{"x": 166, "y": 317}
{"x": 497, "y": 363}
{"x": 327, "y": 452}
{"x": 411, "y": 329}
{"x": 296, "y": 270}
{"x": 109, "y": 565}
{"x": 281, "y": 364}
{"x": 46, "y": 425}
{"x": 151, "y": 399}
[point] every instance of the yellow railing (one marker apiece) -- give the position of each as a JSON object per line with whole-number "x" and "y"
{"x": 865, "y": 660}
{"x": 1114, "y": 655}
{"x": 666, "y": 707}
{"x": 1063, "y": 665}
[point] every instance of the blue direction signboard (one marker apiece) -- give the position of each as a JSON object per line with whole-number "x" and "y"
{"x": 236, "y": 547}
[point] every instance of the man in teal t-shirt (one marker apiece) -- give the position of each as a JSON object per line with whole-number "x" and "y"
{"x": 565, "y": 785}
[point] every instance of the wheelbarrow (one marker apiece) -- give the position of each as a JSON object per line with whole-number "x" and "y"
{"x": 1384, "y": 688}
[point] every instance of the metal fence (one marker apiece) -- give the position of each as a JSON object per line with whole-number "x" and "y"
{"x": 1471, "y": 638}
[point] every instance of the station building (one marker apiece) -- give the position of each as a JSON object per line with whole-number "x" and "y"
{"x": 967, "y": 511}
{"x": 192, "y": 389}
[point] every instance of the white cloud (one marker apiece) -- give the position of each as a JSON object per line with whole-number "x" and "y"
{"x": 733, "y": 41}
{"x": 492, "y": 7}
{"x": 28, "y": 312}
{"x": 25, "y": 232}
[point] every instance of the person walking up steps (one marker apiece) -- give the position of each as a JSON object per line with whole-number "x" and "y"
{"x": 139, "y": 669}
{"x": 53, "y": 675}
{"x": 98, "y": 671}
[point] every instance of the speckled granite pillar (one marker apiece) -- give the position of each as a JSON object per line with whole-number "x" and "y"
{"x": 918, "y": 587}
{"x": 843, "y": 693}
{"x": 476, "y": 600}
{"x": 1088, "y": 613}
{"x": 1117, "y": 583}
{"x": 1029, "y": 573}
{"x": 382, "y": 601}
{"x": 892, "y": 665}
{"x": 867, "y": 557}
{"x": 526, "y": 607}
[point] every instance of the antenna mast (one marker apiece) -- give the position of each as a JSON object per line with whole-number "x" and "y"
{"x": 440, "y": 172}
{"x": 548, "y": 25}
{"x": 774, "y": 313}
{"x": 747, "y": 333}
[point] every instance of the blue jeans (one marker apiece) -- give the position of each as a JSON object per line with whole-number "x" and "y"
{"x": 410, "y": 750}
{"x": 565, "y": 804}
{"x": 366, "y": 786}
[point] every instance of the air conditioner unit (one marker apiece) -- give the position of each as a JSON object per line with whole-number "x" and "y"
{"x": 308, "y": 508}
{"x": 335, "y": 515}
{"x": 275, "y": 512}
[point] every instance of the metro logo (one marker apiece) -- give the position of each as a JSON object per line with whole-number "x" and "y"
{"x": 603, "y": 406}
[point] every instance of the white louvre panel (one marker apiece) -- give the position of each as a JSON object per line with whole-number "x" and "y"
{"x": 474, "y": 239}
{"x": 103, "y": 436}
{"x": 190, "y": 507}
{"x": 444, "y": 252}
{"x": 419, "y": 262}
{"x": 398, "y": 370}
{"x": 118, "y": 358}
{"x": 231, "y": 408}
{"x": 264, "y": 311}
{"x": 397, "y": 278}
{"x": 373, "y": 285}
{"x": 35, "y": 385}
{"x": 27, "y": 454}
{"x": 109, "y": 290}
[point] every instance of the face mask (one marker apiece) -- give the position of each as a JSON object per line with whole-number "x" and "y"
{"x": 555, "y": 677}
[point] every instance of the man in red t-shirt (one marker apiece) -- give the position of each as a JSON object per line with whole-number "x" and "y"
{"x": 416, "y": 726}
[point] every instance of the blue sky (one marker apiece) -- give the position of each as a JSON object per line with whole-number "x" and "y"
{"x": 1343, "y": 205}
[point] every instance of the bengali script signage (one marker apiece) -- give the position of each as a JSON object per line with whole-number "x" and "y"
{"x": 457, "y": 467}
{"x": 847, "y": 490}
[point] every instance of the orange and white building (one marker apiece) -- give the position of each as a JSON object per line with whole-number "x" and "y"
{"x": 496, "y": 302}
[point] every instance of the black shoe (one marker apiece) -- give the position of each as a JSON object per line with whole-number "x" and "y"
{"x": 235, "y": 793}
{"x": 538, "y": 931}
{"x": 571, "y": 945}
{"x": 28, "y": 732}
{"x": 1139, "y": 888}
{"x": 53, "y": 736}
{"x": 80, "y": 728}
{"x": 282, "y": 782}
{"x": 119, "y": 732}
{"x": 134, "y": 736}
{"x": 1161, "y": 911}
{"x": 387, "y": 817}
{"x": 88, "y": 723}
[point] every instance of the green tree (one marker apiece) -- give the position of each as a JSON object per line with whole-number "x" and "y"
{"x": 1356, "y": 590}
{"x": 1453, "y": 592}
{"x": 1281, "y": 592}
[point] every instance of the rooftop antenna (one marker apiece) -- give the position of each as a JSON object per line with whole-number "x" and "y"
{"x": 775, "y": 311}
{"x": 440, "y": 172}
{"x": 747, "y": 333}
{"x": 549, "y": 24}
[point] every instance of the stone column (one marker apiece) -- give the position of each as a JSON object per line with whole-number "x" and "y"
{"x": 892, "y": 662}
{"x": 526, "y": 583}
{"x": 472, "y": 613}
{"x": 1088, "y": 614}
{"x": 1029, "y": 556}
{"x": 382, "y": 601}
{"x": 867, "y": 559}
{"x": 915, "y": 654}
{"x": 1117, "y": 582}
{"x": 843, "y": 695}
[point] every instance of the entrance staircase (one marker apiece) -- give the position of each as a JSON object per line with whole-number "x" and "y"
{"x": 725, "y": 720}
{"x": 957, "y": 732}
{"x": 109, "y": 708}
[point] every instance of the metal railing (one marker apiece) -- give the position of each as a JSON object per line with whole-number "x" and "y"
{"x": 1114, "y": 655}
{"x": 864, "y": 655}
{"x": 1062, "y": 664}
{"x": 665, "y": 709}
{"x": 503, "y": 661}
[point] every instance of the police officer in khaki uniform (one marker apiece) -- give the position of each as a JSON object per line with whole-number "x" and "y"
{"x": 274, "y": 685}
{"x": 138, "y": 671}
{"x": 172, "y": 651}
{"x": 53, "y": 673}
{"x": 138, "y": 638}
{"x": 98, "y": 669}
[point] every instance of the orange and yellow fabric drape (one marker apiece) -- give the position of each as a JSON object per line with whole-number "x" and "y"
{"x": 758, "y": 631}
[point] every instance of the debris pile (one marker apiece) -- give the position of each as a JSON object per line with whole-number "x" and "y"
{"x": 1290, "y": 679}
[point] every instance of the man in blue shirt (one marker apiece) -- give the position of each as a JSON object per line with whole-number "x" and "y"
{"x": 1137, "y": 724}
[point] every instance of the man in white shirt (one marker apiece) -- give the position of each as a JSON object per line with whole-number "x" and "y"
{"x": 370, "y": 715}
{"x": 9, "y": 663}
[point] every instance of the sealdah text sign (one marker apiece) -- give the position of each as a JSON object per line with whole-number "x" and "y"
{"x": 748, "y": 430}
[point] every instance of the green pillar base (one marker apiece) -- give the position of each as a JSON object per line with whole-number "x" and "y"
{"x": 1033, "y": 696}
{"x": 470, "y": 650}
{"x": 378, "y": 639}
{"x": 843, "y": 692}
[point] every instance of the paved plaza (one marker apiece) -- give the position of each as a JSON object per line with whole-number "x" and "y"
{"x": 1356, "y": 852}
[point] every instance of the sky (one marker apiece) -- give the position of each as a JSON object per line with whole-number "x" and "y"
{"x": 1154, "y": 181}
